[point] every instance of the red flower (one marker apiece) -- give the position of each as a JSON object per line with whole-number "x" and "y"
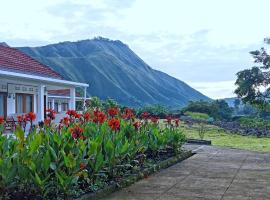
{"x": 47, "y": 121}
{"x": 177, "y": 122}
{"x": 82, "y": 166}
{"x": 137, "y": 125}
{"x": 154, "y": 120}
{"x": 169, "y": 119}
{"x": 76, "y": 132}
{"x": 51, "y": 113}
{"x": 99, "y": 117}
{"x": 113, "y": 112}
{"x": 2, "y": 120}
{"x": 20, "y": 119}
{"x": 31, "y": 116}
{"x": 128, "y": 114}
{"x": 71, "y": 113}
{"x": 145, "y": 115}
{"x": 114, "y": 124}
{"x": 65, "y": 121}
{"x": 86, "y": 116}
{"x": 77, "y": 116}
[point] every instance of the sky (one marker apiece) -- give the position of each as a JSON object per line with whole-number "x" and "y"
{"x": 202, "y": 42}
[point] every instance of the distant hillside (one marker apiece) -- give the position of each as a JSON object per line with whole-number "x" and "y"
{"x": 113, "y": 70}
{"x": 230, "y": 101}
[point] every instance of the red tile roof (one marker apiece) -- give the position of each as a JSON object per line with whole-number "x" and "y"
{"x": 14, "y": 60}
{"x": 62, "y": 92}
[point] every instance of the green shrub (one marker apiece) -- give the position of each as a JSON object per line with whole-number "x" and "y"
{"x": 254, "y": 122}
{"x": 197, "y": 115}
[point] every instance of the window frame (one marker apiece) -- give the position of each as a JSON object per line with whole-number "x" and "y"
{"x": 24, "y": 95}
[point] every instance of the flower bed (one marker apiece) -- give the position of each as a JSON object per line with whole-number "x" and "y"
{"x": 83, "y": 153}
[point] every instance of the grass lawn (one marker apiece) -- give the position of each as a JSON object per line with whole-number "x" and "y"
{"x": 226, "y": 139}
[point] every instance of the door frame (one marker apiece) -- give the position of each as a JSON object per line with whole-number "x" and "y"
{"x": 5, "y": 103}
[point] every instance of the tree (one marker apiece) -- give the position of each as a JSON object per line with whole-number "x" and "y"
{"x": 253, "y": 85}
{"x": 237, "y": 103}
{"x": 218, "y": 109}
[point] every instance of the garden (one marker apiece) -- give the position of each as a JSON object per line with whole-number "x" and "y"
{"x": 84, "y": 153}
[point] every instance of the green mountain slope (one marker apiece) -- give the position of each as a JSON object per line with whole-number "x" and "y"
{"x": 113, "y": 70}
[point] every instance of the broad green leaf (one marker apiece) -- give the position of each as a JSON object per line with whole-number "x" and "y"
{"x": 37, "y": 179}
{"x": 46, "y": 160}
{"x": 19, "y": 134}
{"x": 99, "y": 162}
{"x": 70, "y": 161}
{"x": 52, "y": 153}
{"x": 124, "y": 148}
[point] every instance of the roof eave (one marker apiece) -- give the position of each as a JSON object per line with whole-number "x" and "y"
{"x": 42, "y": 79}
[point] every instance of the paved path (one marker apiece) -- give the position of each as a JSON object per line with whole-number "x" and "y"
{"x": 212, "y": 173}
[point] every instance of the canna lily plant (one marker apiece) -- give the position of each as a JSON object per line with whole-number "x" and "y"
{"x": 82, "y": 151}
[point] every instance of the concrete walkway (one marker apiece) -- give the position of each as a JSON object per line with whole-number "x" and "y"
{"x": 212, "y": 173}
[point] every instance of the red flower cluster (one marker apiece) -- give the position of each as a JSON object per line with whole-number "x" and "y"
{"x": 77, "y": 132}
{"x": 99, "y": 117}
{"x": 154, "y": 120}
{"x": 65, "y": 121}
{"x": 137, "y": 125}
{"x": 71, "y": 113}
{"x": 21, "y": 119}
{"x": 82, "y": 166}
{"x": 113, "y": 112}
{"x": 51, "y": 114}
{"x": 114, "y": 124}
{"x": 128, "y": 114}
{"x": 86, "y": 116}
{"x": 177, "y": 122}
{"x": 30, "y": 116}
{"x": 47, "y": 121}
{"x": 169, "y": 119}
{"x": 2, "y": 120}
{"x": 145, "y": 115}
{"x": 77, "y": 116}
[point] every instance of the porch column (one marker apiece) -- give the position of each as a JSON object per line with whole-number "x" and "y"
{"x": 35, "y": 103}
{"x": 84, "y": 99}
{"x": 52, "y": 104}
{"x": 40, "y": 113}
{"x": 72, "y": 102}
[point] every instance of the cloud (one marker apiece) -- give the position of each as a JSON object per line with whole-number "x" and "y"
{"x": 182, "y": 40}
{"x": 215, "y": 90}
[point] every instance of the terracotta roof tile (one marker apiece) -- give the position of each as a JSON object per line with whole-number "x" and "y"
{"x": 12, "y": 59}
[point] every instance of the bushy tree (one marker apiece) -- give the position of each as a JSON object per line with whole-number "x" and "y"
{"x": 253, "y": 85}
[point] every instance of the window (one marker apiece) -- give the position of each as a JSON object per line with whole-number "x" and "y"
{"x": 64, "y": 106}
{"x": 19, "y": 103}
{"x": 28, "y": 103}
{"x": 49, "y": 105}
{"x": 24, "y": 103}
{"x": 2, "y": 104}
{"x": 56, "y": 106}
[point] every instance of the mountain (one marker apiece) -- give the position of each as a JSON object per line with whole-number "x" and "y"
{"x": 113, "y": 70}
